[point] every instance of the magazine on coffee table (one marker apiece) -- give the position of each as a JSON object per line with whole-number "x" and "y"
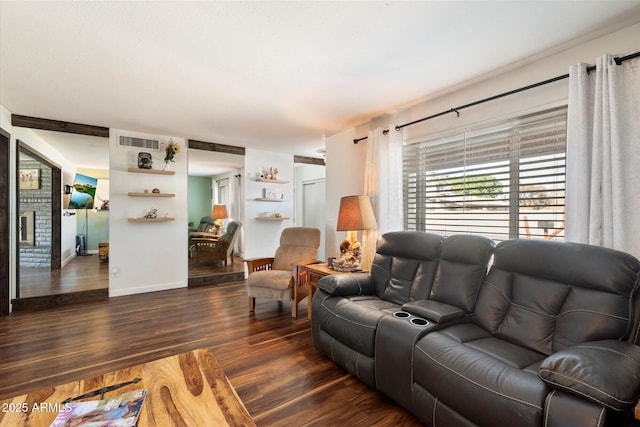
{"x": 119, "y": 411}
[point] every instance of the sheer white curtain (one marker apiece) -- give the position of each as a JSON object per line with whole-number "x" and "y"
{"x": 603, "y": 155}
{"x": 383, "y": 185}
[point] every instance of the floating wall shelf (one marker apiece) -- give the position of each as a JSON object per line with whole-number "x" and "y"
{"x": 163, "y": 219}
{"x": 266, "y": 199}
{"x": 271, "y": 218}
{"x": 152, "y": 171}
{"x": 131, "y": 194}
{"x": 272, "y": 181}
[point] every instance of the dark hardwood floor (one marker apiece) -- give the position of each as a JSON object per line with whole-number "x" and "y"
{"x": 268, "y": 356}
{"x": 86, "y": 279}
{"x": 82, "y": 273}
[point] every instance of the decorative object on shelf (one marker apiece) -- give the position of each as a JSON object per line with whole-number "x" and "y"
{"x": 156, "y": 191}
{"x": 144, "y": 161}
{"x": 146, "y": 191}
{"x": 218, "y": 213}
{"x": 269, "y": 175}
{"x": 355, "y": 214}
{"x": 170, "y": 152}
{"x": 270, "y": 193}
{"x": 153, "y": 213}
{"x": 104, "y": 206}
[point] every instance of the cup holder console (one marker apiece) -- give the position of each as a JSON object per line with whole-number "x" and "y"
{"x": 396, "y": 337}
{"x": 417, "y": 321}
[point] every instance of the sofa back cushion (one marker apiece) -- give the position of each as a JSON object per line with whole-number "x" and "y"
{"x": 461, "y": 270}
{"x": 405, "y": 265}
{"x": 548, "y": 296}
{"x": 412, "y": 265}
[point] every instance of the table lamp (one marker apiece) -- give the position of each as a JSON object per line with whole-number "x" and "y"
{"x": 218, "y": 213}
{"x": 355, "y": 214}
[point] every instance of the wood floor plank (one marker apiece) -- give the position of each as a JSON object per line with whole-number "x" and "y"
{"x": 268, "y": 356}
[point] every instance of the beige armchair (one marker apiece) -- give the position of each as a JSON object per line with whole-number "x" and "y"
{"x": 209, "y": 250}
{"x": 280, "y": 277}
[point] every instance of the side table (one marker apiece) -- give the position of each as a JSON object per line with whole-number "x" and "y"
{"x": 316, "y": 272}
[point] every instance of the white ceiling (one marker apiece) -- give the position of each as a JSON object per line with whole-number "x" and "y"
{"x": 274, "y": 75}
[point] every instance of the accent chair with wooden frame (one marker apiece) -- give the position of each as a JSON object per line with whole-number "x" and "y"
{"x": 281, "y": 277}
{"x": 209, "y": 250}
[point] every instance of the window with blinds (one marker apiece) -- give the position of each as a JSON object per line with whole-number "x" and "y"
{"x": 502, "y": 181}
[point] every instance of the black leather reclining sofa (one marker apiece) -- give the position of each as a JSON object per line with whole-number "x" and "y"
{"x": 544, "y": 336}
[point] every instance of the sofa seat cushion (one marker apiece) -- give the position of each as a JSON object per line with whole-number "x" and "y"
{"x": 481, "y": 377}
{"x": 353, "y": 320}
{"x": 272, "y": 279}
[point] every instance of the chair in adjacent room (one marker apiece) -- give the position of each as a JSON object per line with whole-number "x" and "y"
{"x": 221, "y": 249}
{"x": 279, "y": 277}
{"x": 204, "y": 227}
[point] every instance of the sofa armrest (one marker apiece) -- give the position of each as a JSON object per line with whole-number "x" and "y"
{"x": 606, "y": 372}
{"x": 434, "y": 311}
{"x": 347, "y": 284}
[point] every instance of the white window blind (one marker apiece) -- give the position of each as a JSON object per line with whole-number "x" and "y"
{"x": 504, "y": 180}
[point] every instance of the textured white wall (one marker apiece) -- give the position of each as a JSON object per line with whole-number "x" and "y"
{"x": 146, "y": 257}
{"x": 262, "y": 238}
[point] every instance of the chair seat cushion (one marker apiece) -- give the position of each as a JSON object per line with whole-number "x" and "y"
{"x": 272, "y": 279}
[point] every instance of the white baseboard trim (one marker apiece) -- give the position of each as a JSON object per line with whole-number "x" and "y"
{"x": 145, "y": 289}
{"x": 68, "y": 259}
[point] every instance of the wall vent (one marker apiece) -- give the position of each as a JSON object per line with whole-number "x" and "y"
{"x": 148, "y": 144}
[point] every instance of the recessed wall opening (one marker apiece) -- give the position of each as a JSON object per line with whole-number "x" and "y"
{"x": 27, "y": 225}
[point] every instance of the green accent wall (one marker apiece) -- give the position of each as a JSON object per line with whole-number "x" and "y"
{"x": 98, "y": 226}
{"x": 199, "y": 198}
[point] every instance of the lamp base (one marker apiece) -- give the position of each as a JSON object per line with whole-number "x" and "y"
{"x": 351, "y": 252}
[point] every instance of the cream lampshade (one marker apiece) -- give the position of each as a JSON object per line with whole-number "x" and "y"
{"x": 355, "y": 214}
{"x": 218, "y": 213}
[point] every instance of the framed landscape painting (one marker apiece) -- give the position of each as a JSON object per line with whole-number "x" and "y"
{"x": 83, "y": 193}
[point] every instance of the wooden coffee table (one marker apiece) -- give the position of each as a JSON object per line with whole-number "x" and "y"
{"x": 188, "y": 389}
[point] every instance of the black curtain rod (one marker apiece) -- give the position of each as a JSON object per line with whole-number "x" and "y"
{"x": 618, "y": 61}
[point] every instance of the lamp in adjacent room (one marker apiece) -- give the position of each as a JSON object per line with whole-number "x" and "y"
{"x": 355, "y": 214}
{"x": 218, "y": 213}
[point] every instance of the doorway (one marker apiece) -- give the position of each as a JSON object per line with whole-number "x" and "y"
{"x": 313, "y": 208}
{"x": 214, "y": 171}
{"x": 38, "y": 210}
{"x": 48, "y": 153}
{"x": 4, "y": 223}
